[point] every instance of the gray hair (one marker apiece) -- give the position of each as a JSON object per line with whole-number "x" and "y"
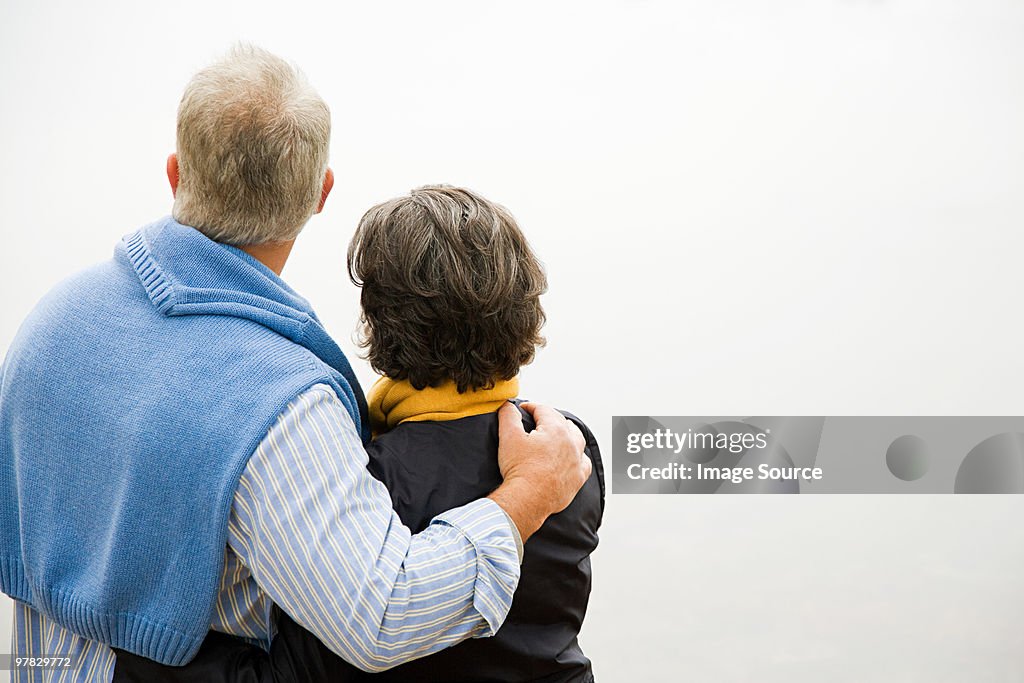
{"x": 253, "y": 139}
{"x": 451, "y": 289}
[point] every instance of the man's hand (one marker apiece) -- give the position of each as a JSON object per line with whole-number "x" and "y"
{"x": 543, "y": 469}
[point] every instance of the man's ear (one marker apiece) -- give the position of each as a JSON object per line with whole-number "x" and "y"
{"x": 172, "y": 173}
{"x": 328, "y": 184}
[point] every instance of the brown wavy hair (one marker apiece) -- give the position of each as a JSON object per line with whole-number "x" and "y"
{"x": 451, "y": 289}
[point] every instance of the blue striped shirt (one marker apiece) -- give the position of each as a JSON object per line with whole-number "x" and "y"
{"x": 313, "y": 532}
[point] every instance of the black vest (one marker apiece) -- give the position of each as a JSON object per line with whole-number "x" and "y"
{"x": 428, "y": 468}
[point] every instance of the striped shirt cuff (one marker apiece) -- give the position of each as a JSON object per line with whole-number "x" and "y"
{"x": 493, "y": 536}
{"x": 516, "y": 536}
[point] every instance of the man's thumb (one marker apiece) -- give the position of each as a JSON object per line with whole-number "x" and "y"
{"x": 510, "y": 422}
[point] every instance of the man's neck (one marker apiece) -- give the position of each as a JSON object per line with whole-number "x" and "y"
{"x": 272, "y": 254}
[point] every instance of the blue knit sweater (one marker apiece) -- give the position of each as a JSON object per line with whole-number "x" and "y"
{"x": 130, "y": 403}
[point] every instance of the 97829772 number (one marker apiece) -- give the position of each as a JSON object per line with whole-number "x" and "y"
{"x": 42, "y": 662}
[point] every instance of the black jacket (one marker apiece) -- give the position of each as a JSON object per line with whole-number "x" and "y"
{"x": 428, "y": 468}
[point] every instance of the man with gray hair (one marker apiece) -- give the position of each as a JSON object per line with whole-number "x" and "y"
{"x": 182, "y": 443}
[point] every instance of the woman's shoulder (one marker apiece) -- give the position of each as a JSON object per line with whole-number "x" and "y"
{"x": 592, "y": 448}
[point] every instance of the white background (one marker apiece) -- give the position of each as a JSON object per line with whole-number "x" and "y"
{"x": 745, "y": 207}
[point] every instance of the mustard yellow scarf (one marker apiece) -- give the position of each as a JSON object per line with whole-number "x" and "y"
{"x": 393, "y": 402}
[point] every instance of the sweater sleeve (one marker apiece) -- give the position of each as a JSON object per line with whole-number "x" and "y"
{"x": 319, "y": 536}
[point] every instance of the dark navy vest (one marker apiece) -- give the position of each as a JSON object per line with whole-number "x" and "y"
{"x": 430, "y": 467}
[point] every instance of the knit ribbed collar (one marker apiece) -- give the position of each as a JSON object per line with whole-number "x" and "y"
{"x": 186, "y": 273}
{"x": 393, "y": 402}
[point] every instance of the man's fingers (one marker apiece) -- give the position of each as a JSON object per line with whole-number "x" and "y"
{"x": 510, "y": 422}
{"x": 588, "y": 466}
{"x": 547, "y": 418}
{"x": 577, "y": 437}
